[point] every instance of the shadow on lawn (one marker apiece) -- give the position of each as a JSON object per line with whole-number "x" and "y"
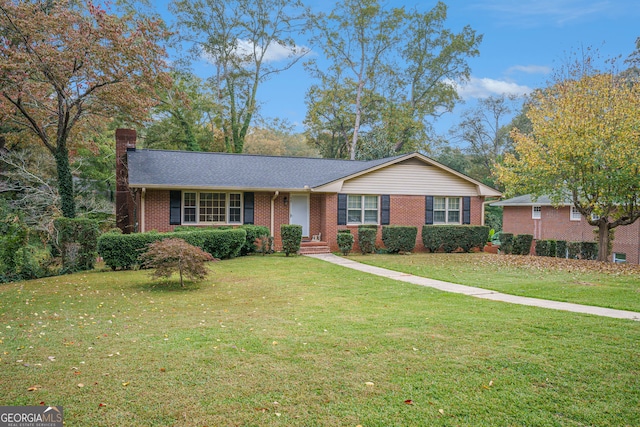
{"x": 169, "y": 286}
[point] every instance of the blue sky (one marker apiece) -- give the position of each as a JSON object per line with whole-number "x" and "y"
{"x": 524, "y": 40}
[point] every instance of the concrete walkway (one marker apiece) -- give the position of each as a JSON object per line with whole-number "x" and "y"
{"x": 477, "y": 292}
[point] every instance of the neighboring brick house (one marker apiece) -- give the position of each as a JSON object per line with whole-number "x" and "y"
{"x": 159, "y": 189}
{"x": 521, "y": 215}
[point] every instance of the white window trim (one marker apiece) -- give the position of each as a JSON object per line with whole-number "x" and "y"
{"x": 574, "y": 215}
{"x": 226, "y": 214}
{"x": 619, "y": 260}
{"x": 536, "y": 214}
{"x": 362, "y": 209}
{"x": 446, "y": 210}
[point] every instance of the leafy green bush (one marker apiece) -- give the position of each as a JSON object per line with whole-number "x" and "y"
{"x": 451, "y": 237}
{"x": 574, "y": 249}
{"x": 291, "y": 238}
{"x": 546, "y": 248}
{"x": 367, "y": 238}
{"x": 522, "y": 244}
{"x": 78, "y": 243}
{"x": 561, "y": 248}
{"x": 123, "y": 250}
{"x": 17, "y": 257}
{"x": 345, "y": 241}
{"x": 589, "y": 250}
{"x": 257, "y": 238}
{"x": 398, "y": 238}
{"x": 506, "y": 243}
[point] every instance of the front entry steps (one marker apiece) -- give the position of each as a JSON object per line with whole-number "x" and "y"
{"x": 308, "y": 247}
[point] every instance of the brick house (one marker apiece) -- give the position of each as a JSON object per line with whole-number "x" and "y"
{"x": 521, "y": 215}
{"x": 160, "y": 189}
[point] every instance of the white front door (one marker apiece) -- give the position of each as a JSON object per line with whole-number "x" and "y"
{"x": 299, "y": 212}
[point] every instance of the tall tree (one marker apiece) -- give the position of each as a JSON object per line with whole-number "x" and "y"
{"x": 396, "y": 67}
{"x": 247, "y": 41}
{"x": 484, "y": 133}
{"x": 66, "y": 63}
{"x": 584, "y": 146}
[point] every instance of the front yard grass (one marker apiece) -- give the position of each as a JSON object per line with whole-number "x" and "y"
{"x": 581, "y": 282}
{"x": 276, "y": 341}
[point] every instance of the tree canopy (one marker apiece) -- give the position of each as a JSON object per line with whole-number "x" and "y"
{"x": 584, "y": 147}
{"x": 390, "y": 69}
{"x": 65, "y": 64}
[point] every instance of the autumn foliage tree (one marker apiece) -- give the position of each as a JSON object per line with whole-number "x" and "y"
{"x": 584, "y": 147}
{"x": 65, "y": 65}
{"x": 171, "y": 256}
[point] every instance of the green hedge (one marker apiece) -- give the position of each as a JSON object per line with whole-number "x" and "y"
{"x": 122, "y": 250}
{"x": 78, "y": 243}
{"x": 589, "y": 250}
{"x": 256, "y": 240}
{"x": 345, "y": 241}
{"x": 522, "y": 244}
{"x": 451, "y": 237}
{"x": 398, "y": 238}
{"x": 506, "y": 243}
{"x": 561, "y": 248}
{"x": 291, "y": 238}
{"x": 546, "y": 247}
{"x": 367, "y": 238}
{"x": 574, "y": 249}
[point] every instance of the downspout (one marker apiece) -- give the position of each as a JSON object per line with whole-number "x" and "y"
{"x": 142, "y": 203}
{"x": 273, "y": 220}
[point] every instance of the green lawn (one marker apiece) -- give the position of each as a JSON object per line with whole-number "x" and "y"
{"x": 277, "y": 341}
{"x": 582, "y": 282}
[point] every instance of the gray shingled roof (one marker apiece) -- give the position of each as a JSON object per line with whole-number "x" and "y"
{"x": 187, "y": 169}
{"x": 527, "y": 200}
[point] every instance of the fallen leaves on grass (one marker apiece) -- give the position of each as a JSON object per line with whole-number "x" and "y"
{"x": 34, "y": 388}
{"x": 560, "y": 264}
{"x": 409, "y": 402}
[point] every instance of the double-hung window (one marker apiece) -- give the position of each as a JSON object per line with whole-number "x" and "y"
{"x": 536, "y": 212}
{"x": 211, "y": 208}
{"x": 575, "y": 214}
{"x": 446, "y": 210}
{"x": 362, "y": 209}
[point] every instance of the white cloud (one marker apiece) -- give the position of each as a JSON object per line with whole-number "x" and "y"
{"x": 275, "y": 52}
{"x": 485, "y": 87}
{"x": 530, "y": 69}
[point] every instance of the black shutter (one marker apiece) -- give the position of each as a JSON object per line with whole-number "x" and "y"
{"x": 342, "y": 209}
{"x": 248, "y": 208}
{"x": 466, "y": 210}
{"x": 384, "y": 210}
{"x": 175, "y": 206}
{"x": 428, "y": 216}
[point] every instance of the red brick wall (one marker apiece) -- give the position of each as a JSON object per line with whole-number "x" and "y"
{"x": 404, "y": 210}
{"x": 555, "y": 224}
{"x": 156, "y": 211}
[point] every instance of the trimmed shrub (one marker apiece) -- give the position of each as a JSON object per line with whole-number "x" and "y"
{"x": 398, "y": 238}
{"x": 546, "y": 248}
{"x": 561, "y": 248}
{"x": 575, "y": 249}
{"x": 522, "y": 244}
{"x": 257, "y": 238}
{"x": 78, "y": 243}
{"x": 173, "y": 255}
{"x": 345, "y": 241}
{"x": 506, "y": 243}
{"x": 451, "y": 237}
{"x": 589, "y": 250}
{"x": 367, "y": 238}
{"x": 291, "y": 238}
{"x": 123, "y": 250}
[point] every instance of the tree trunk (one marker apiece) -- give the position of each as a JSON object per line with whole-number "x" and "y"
{"x": 65, "y": 181}
{"x": 603, "y": 241}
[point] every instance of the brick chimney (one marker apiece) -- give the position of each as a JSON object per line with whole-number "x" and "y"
{"x": 125, "y": 219}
